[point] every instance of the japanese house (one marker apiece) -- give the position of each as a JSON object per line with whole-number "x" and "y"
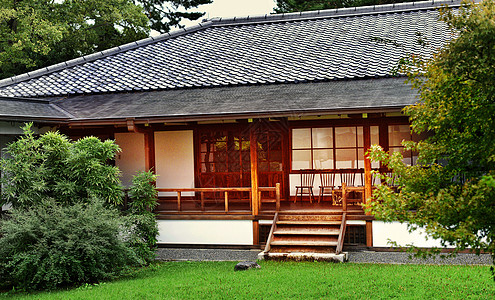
{"x": 233, "y": 114}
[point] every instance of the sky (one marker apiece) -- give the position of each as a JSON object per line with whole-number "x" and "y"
{"x": 235, "y": 8}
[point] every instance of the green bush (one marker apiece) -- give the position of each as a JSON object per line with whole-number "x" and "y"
{"x": 52, "y": 166}
{"x": 142, "y": 193}
{"x": 141, "y": 222}
{"x": 50, "y": 245}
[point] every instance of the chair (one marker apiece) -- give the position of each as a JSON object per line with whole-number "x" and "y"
{"x": 349, "y": 178}
{"x": 327, "y": 183}
{"x": 307, "y": 180}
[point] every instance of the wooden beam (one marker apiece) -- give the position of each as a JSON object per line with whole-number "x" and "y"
{"x": 369, "y": 233}
{"x": 367, "y": 165}
{"x": 253, "y": 138}
{"x": 226, "y": 201}
{"x": 149, "y": 150}
{"x": 256, "y": 232}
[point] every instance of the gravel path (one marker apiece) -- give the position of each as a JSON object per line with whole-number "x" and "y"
{"x": 187, "y": 254}
{"x": 406, "y": 258}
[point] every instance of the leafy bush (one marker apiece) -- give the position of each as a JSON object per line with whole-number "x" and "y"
{"x": 142, "y": 231}
{"x": 50, "y": 245}
{"x": 52, "y": 166}
{"x": 143, "y": 192}
{"x": 141, "y": 222}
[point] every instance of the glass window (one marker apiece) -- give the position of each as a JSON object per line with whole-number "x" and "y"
{"x": 345, "y": 137}
{"x": 301, "y": 138}
{"x": 322, "y": 137}
{"x": 328, "y": 148}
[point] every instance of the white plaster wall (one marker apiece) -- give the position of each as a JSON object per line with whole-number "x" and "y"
{"x": 132, "y": 157}
{"x": 14, "y": 128}
{"x": 395, "y": 231}
{"x": 295, "y": 179}
{"x": 174, "y": 159}
{"x": 218, "y": 232}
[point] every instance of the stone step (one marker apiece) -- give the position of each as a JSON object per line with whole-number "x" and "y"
{"x": 298, "y": 256}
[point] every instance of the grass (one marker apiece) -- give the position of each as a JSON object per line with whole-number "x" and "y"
{"x": 283, "y": 280}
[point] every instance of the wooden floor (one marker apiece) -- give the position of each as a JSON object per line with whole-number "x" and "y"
{"x": 267, "y": 210}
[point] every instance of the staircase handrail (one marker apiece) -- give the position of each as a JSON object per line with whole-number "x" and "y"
{"x": 270, "y": 236}
{"x": 340, "y": 241}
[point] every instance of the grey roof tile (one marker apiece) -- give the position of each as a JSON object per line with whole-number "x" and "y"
{"x": 312, "y": 46}
{"x": 283, "y": 99}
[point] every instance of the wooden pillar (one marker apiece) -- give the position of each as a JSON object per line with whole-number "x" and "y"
{"x": 149, "y": 150}
{"x": 367, "y": 165}
{"x": 256, "y": 232}
{"x": 253, "y": 138}
{"x": 369, "y": 234}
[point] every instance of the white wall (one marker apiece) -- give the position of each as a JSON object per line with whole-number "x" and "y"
{"x": 397, "y": 232}
{"x": 218, "y": 232}
{"x": 132, "y": 157}
{"x": 14, "y": 128}
{"x": 174, "y": 159}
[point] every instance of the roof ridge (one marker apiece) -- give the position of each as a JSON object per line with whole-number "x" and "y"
{"x": 335, "y": 12}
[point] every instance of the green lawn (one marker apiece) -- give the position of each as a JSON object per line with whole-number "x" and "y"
{"x": 217, "y": 280}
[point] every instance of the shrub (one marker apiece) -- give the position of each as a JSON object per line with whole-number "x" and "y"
{"x": 52, "y": 166}
{"x": 50, "y": 245}
{"x": 143, "y": 192}
{"x": 141, "y": 222}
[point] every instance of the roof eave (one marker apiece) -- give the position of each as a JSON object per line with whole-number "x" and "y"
{"x": 232, "y": 116}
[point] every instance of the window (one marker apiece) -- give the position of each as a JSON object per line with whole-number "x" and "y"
{"x": 399, "y": 133}
{"x": 225, "y": 159}
{"x": 329, "y": 147}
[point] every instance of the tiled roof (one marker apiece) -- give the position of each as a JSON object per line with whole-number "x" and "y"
{"x": 349, "y": 43}
{"x": 333, "y": 97}
{"x": 30, "y": 109}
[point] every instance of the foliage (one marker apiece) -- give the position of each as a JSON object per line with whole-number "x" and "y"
{"x": 143, "y": 192}
{"x": 287, "y": 6}
{"x": 291, "y": 280}
{"x": 141, "y": 223}
{"x": 141, "y": 233}
{"x": 170, "y": 10}
{"x": 52, "y": 167}
{"x": 35, "y": 34}
{"x": 51, "y": 245}
{"x": 451, "y": 192}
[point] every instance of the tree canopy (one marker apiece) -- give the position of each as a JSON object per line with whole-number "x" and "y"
{"x": 451, "y": 191}
{"x": 165, "y": 14}
{"x": 286, "y": 6}
{"x": 40, "y": 33}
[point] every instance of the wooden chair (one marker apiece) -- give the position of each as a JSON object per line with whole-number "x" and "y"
{"x": 327, "y": 184}
{"x": 354, "y": 197}
{"x": 348, "y": 178}
{"x": 307, "y": 180}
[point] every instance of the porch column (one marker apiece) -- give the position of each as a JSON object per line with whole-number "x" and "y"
{"x": 367, "y": 165}
{"x": 253, "y": 142}
{"x": 368, "y": 184}
{"x": 149, "y": 150}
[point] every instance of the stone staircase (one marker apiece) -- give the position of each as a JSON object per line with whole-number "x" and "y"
{"x": 306, "y": 236}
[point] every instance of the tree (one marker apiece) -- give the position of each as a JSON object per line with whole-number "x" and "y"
{"x": 35, "y": 34}
{"x": 287, "y": 6}
{"x": 451, "y": 191}
{"x": 160, "y": 10}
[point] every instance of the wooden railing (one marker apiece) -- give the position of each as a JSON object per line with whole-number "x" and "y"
{"x": 340, "y": 240}
{"x": 225, "y": 191}
{"x": 270, "y": 235}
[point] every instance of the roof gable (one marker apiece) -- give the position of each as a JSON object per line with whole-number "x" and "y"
{"x": 315, "y": 46}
